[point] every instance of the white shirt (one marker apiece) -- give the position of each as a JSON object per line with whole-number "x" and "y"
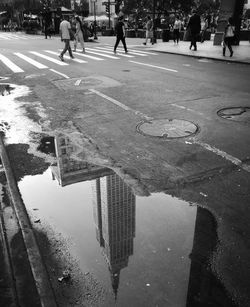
{"x": 64, "y": 28}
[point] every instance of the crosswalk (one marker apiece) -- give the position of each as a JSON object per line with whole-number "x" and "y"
{"x": 42, "y": 59}
{"x": 6, "y": 36}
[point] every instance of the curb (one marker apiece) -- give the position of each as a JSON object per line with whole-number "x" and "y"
{"x": 40, "y": 275}
{"x": 203, "y": 57}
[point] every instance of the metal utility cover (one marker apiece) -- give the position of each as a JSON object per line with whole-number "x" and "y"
{"x": 239, "y": 114}
{"x": 167, "y": 128}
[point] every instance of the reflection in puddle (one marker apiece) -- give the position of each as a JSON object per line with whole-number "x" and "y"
{"x": 147, "y": 251}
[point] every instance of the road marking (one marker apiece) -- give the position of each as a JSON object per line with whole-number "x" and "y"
{"x": 66, "y": 57}
{"x": 120, "y": 54}
{"x": 140, "y": 51}
{"x": 94, "y": 51}
{"x": 190, "y": 110}
{"x": 12, "y": 66}
{"x": 31, "y": 61}
{"x": 89, "y": 56}
{"x": 59, "y": 73}
{"x": 129, "y": 51}
{"x": 154, "y": 66}
{"x": 119, "y": 104}
{"x": 49, "y": 58}
{"x": 77, "y": 83}
{"x": 223, "y": 154}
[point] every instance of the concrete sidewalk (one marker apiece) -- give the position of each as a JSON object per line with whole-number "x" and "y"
{"x": 204, "y": 50}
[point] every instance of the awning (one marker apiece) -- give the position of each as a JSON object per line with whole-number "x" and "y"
{"x": 98, "y": 18}
{"x": 4, "y": 12}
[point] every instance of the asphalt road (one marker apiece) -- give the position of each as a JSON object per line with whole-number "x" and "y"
{"x": 101, "y": 103}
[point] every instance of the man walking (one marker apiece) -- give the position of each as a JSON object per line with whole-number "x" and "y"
{"x": 194, "y": 25}
{"x": 65, "y": 29}
{"x": 120, "y": 34}
{"x": 149, "y": 30}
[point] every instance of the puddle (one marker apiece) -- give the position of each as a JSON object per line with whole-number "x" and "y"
{"x": 147, "y": 251}
{"x": 139, "y": 247}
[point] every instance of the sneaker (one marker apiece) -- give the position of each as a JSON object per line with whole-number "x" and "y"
{"x": 61, "y": 57}
{"x": 144, "y": 44}
{"x": 126, "y": 51}
{"x": 72, "y": 57}
{"x": 114, "y": 51}
{"x": 231, "y": 54}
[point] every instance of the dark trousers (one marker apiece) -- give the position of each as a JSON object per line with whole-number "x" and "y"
{"x": 67, "y": 48}
{"x": 118, "y": 39}
{"x": 176, "y": 35}
{"x": 194, "y": 39}
{"x": 227, "y": 43}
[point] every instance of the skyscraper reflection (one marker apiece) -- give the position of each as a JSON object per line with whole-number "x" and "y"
{"x": 114, "y": 215}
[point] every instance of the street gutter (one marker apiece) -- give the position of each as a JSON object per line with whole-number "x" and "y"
{"x": 40, "y": 275}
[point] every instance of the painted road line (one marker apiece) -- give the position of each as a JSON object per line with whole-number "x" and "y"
{"x": 59, "y": 73}
{"x": 12, "y": 66}
{"x": 120, "y": 104}
{"x": 94, "y": 51}
{"x": 145, "y": 52}
{"x": 223, "y": 154}
{"x": 66, "y": 57}
{"x": 31, "y": 61}
{"x": 130, "y": 52}
{"x": 49, "y": 58}
{"x": 154, "y": 66}
{"x": 190, "y": 110}
{"x": 5, "y": 37}
{"x": 89, "y": 56}
{"x": 118, "y": 53}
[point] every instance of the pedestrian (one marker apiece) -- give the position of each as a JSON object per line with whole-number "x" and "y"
{"x": 65, "y": 31}
{"x": 177, "y": 29}
{"x": 194, "y": 25}
{"x": 149, "y": 29}
{"x": 120, "y": 34}
{"x": 79, "y": 36}
{"x": 204, "y": 30}
{"x": 228, "y": 37}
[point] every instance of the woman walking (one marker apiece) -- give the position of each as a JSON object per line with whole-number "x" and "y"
{"x": 79, "y": 34}
{"x": 228, "y": 37}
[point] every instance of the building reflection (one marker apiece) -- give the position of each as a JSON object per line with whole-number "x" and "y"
{"x": 205, "y": 289}
{"x": 67, "y": 169}
{"x": 113, "y": 205}
{"x": 114, "y": 215}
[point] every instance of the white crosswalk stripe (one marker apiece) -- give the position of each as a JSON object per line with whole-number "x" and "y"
{"x": 88, "y": 56}
{"x": 12, "y": 66}
{"x": 94, "y": 53}
{"x": 31, "y": 61}
{"x": 59, "y": 62}
{"x": 136, "y": 51}
{"x": 66, "y": 57}
{"x": 17, "y": 36}
{"x": 118, "y": 53}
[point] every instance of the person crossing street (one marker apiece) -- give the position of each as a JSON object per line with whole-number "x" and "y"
{"x": 65, "y": 29}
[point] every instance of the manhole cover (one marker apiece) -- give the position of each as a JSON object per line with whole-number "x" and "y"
{"x": 167, "y": 128}
{"x": 240, "y": 114}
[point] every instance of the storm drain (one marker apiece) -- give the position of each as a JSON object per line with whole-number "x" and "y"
{"x": 167, "y": 128}
{"x": 240, "y": 114}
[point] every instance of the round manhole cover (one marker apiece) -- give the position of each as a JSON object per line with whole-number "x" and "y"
{"x": 167, "y": 128}
{"x": 240, "y": 114}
